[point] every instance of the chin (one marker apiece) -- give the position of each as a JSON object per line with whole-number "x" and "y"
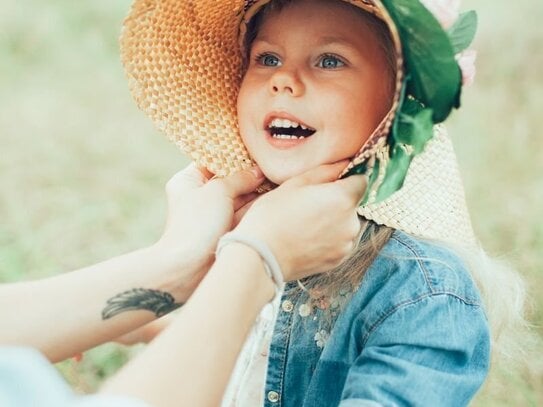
{"x": 284, "y": 174}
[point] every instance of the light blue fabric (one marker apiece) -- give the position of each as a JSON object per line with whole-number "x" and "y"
{"x": 27, "y": 379}
{"x": 413, "y": 334}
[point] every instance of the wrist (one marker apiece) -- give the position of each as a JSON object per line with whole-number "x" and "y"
{"x": 273, "y": 244}
{"x": 243, "y": 263}
{"x": 260, "y": 247}
{"x": 179, "y": 270}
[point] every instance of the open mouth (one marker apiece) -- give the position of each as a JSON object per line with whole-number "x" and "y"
{"x": 289, "y": 130}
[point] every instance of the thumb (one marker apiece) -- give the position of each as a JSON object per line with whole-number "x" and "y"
{"x": 242, "y": 182}
{"x": 319, "y": 175}
{"x": 355, "y": 186}
{"x": 188, "y": 178}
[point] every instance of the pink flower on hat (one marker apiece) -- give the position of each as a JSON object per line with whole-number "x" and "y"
{"x": 445, "y": 11}
{"x": 466, "y": 61}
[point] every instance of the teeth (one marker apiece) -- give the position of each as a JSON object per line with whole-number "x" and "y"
{"x": 285, "y": 124}
{"x": 287, "y": 137}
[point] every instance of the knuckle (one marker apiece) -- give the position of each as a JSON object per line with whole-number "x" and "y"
{"x": 336, "y": 261}
{"x": 347, "y": 249}
{"x": 354, "y": 227}
{"x": 339, "y": 253}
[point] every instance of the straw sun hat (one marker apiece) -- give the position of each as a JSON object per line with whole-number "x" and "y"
{"x": 184, "y": 60}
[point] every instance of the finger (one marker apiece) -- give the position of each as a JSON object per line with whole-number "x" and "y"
{"x": 355, "y": 186}
{"x": 242, "y": 200}
{"x": 190, "y": 177}
{"x": 359, "y": 225}
{"x": 242, "y": 182}
{"x": 321, "y": 174}
{"x": 206, "y": 173}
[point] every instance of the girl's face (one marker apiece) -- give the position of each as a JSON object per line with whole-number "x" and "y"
{"x": 318, "y": 83}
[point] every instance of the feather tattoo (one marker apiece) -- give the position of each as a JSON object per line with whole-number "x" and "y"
{"x": 158, "y": 302}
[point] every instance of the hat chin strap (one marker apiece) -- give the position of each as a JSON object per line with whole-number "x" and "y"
{"x": 431, "y": 203}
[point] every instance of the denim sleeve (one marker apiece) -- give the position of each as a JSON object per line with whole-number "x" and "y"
{"x": 27, "y": 379}
{"x": 432, "y": 351}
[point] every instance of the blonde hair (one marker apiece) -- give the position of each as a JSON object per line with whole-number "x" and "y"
{"x": 349, "y": 274}
{"x": 504, "y": 295}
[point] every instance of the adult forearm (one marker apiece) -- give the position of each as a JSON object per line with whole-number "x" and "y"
{"x": 191, "y": 362}
{"x": 69, "y": 313}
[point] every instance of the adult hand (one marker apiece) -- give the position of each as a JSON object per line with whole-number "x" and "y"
{"x": 310, "y": 221}
{"x": 200, "y": 211}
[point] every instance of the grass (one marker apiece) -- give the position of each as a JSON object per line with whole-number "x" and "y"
{"x": 82, "y": 170}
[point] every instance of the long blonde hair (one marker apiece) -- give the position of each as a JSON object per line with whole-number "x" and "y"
{"x": 349, "y": 274}
{"x": 503, "y": 292}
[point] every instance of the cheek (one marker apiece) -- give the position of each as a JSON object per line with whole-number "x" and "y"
{"x": 351, "y": 126}
{"x": 353, "y": 117}
{"x": 242, "y": 111}
{"x": 243, "y": 106}
{"x": 247, "y": 89}
{"x": 240, "y": 103}
{"x": 360, "y": 112}
{"x": 247, "y": 97}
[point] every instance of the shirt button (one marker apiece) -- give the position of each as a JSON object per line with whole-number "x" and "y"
{"x": 287, "y": 306}
{"x": 273, "y": 396}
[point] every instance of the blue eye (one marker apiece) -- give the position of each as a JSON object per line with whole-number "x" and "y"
{"x": 268, "y": 60}
{"x": 330, "y": 62}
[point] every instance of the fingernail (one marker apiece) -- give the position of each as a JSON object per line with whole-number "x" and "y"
{"x": 257, "y": 172}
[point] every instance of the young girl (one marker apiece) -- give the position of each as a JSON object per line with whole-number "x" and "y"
{"x": 299, "y": 83}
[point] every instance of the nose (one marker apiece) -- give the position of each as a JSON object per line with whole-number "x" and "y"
{"x": 285, "y": 81}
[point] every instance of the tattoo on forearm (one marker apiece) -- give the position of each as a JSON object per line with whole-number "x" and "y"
{"x": 158, "y": 302}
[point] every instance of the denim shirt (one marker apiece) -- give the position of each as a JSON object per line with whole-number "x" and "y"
{"x": 414, "y": 333}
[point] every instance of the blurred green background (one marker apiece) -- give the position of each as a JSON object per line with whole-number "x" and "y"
{"x": 82, "y": 170}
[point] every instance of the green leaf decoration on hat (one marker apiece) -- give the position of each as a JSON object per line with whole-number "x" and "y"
{"x": 413, "y": 128}
{"x": 435, "y": 77}
{"x": 431, "y": 90}
{"x": 463, "y": 31}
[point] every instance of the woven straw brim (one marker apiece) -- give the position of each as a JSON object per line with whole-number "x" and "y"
{"x": 431, "y": 204}
{"x": 184, "y": 66}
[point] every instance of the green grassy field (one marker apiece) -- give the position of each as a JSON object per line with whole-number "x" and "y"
{"x": 82, "y": 170}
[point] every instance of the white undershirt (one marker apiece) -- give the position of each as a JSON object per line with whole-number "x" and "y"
{"x": 246, "y": 386}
